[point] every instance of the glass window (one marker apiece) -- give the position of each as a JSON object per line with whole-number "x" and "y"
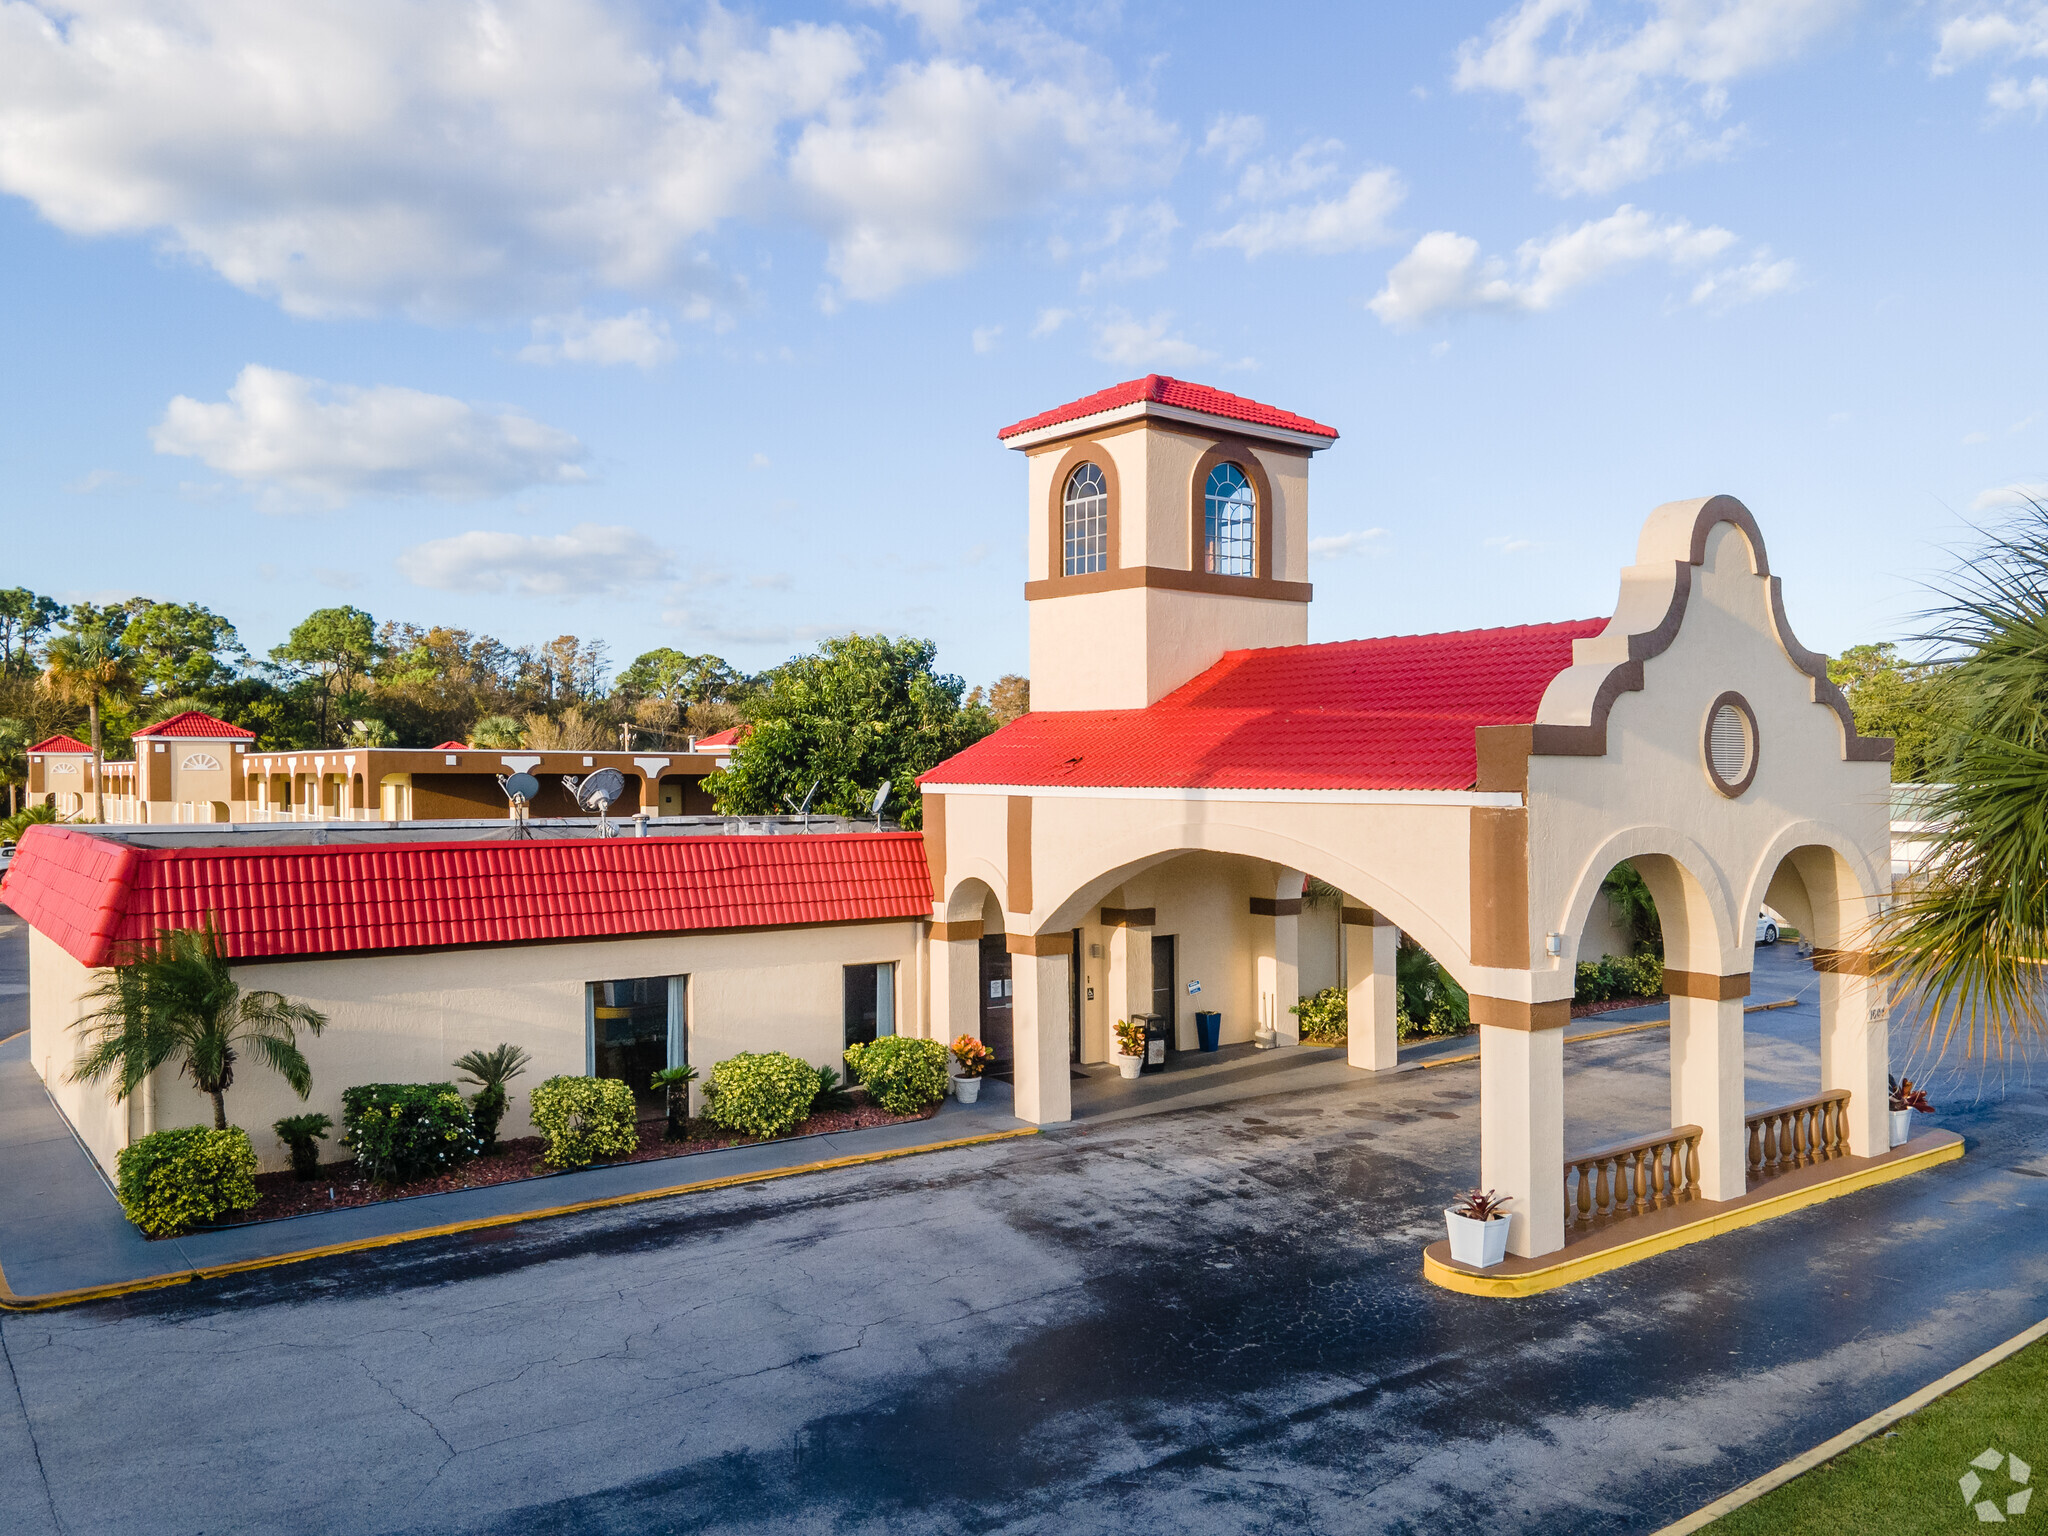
{"x": 870, "y": 1002}
{"x": 1085, "y": 528}
{"x": 1232, "y": 523}
{"x": 637, "y": 1027}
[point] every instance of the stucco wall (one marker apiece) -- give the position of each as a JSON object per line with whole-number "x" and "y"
{"x": 405, "y": 1018}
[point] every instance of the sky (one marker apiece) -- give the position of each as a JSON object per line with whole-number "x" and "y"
{"x": 693, "y": 325}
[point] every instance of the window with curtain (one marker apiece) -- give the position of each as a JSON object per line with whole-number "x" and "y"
{"x": 1231, "y": 523}
{"x": 870, "y": 1002}
{"x": 1085, "y": 527}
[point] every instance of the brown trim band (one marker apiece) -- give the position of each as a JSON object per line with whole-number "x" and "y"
{"x": 1506, "y": 1013}
{"x": 954, "y": 933}
{"x": 1498, "y": 869}
{"x": 1017, "y": 848}
{"x": 1365, "y": 917}
{"x": 1120, "y": 578}
{"x": 1272, "y": 906}
{"x": 934, "y": 838}
{"x": 1705, "y": 984}
{"x": 1844, "y": 962}
{"x": 1041, "y": 944}
{"x": 1129, "y": 917}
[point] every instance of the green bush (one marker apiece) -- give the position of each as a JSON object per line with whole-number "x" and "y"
{"x": 903, "y": 1076}
{"x": 303, "y": 1135}
{"x": 764, "y": 1093}
{"x": 586, "y": 1120}
{"x": 172, "y": 1181}
{"x": 1611, "y": 977}
{"x": 400, "y": 1132}
{"x": 1324, "y": 1017}
{"x": 1427, "y": 1000}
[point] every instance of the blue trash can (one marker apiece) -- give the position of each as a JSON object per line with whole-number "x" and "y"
{"x": 1209, "y": 1030}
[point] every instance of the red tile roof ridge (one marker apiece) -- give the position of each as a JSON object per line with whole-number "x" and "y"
{"x": 454, "y": 746}
{"x": 1163, "y": 389}
{"x": 61, "y": 744}
{"x": 196, "y": 722}
{"x": 730, "y": 737}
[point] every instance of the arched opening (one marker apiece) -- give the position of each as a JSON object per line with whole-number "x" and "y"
{"x": 395, "y": 797}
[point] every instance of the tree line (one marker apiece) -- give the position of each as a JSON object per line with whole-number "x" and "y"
{"x": 859, "y": 709}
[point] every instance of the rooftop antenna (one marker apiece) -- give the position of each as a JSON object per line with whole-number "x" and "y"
{"x": 521, "y": 789}
{"x": 804, "y": 810}
{"x": 597, "y": 793}
{"x": 881, "y": 797}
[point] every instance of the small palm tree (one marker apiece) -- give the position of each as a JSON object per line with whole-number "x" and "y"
{"x": 176, "y": 1001}
{"x": 89, "y": 665}
{"x": 491, "y": 1070}
{"x": 675, "y": 1083}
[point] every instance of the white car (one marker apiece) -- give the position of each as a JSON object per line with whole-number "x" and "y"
{"x": 6, "y": 857}
{"x": 1766, "y": 930}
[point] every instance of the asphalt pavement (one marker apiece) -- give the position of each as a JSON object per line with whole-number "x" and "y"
{"x": 1210, "y": 1319}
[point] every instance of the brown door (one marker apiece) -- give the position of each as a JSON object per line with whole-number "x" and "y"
{"x": 997, "y": 1028}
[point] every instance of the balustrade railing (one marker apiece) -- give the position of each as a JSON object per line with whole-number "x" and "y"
{"x": 1797, "y": 1135}
{"x": 1631, "y": 1178}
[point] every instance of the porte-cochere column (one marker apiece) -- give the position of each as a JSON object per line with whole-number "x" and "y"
{"x": 1855, "y": 1042}
{"x": 1707, "y": 1084}
{"x": 1372, "y": 1002}
{"x": 1521, "y": 1116}
{"x": 1040, "y": 999}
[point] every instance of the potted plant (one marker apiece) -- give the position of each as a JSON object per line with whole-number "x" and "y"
{"x": 1130, "y": 1042}
{"x": 1479, "y": 1228}
{"x": 1907, "y": 1096}
{"x": 972, "y": 1058}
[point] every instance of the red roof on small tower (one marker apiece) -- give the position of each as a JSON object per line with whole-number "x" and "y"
{"x": 61, "y": 744}
{"x": 195, "y": 722}
{"x": 729, "y": 738}
{"x": 1395, "y": 713}
{"x": 453, "y": 746}
{"x": 1158, "y": 389}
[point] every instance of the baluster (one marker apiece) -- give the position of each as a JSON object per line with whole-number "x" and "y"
{"x": 1603, "y": 1201}
{"x": 1641, "y": 1202}
{"x": 1756, "y": 1146}
{"x": 1692, "y": 1163}
{"x": 1585, "y": 1198}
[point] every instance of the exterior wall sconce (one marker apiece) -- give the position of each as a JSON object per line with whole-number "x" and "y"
{"x": 1553, "y": 944}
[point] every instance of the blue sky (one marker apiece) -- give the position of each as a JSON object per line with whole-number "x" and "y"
{"x": 680, "y": 325}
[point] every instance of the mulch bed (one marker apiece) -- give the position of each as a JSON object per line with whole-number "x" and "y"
{"x": 281, "y": 1194}
{"x": 1588, "y": 1010}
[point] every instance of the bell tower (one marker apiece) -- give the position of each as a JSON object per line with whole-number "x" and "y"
{"x": 1167, "y": 524}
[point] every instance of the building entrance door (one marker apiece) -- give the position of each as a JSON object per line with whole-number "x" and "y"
{"x": 997, "y": 1025}
{"x": 1163, "y": 988}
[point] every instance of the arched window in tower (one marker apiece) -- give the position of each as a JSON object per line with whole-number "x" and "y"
{"x": 1084, "y": 537}
{"x": 1231, "y": 523}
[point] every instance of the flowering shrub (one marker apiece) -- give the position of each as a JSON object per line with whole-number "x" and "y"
{"x": 903, "y": 1076}
{"x": 973, "y": 1056}
{"x": 760, "y": 1093}
{"x": 585, "y": 1120}
{"x": 172, "y": 1181}
{"x": 400, "y": 1132}
{"x": 1325, "y": 1017}
{"x": 1130, "y": 1036}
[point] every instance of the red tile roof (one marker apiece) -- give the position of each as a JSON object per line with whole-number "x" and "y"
{"x": 452, "y": 746}
{"x": 195, "y": 723}
{"x": 61, "y": 744}
{"x": 1161, "y": 390}
{"x": 729, "y": 738}
{"x": 1395, "y": 713}
{"x": 91, "y": 894}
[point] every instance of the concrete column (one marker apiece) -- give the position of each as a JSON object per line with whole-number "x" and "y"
{"x": 1855, "y": 1047}
{"x": 1280, "y": 971}
{"x": 1521, "y": 1132}
{"x": 1707, "y": 1089}
{"x": 1371, "y": 1001}
{"x": 1130, "y": 975}
{"x": 955, "y": 1004}
{"x": 1039, "y": 998}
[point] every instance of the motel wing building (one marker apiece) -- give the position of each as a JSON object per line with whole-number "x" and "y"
{"x": 1141, "y": 842}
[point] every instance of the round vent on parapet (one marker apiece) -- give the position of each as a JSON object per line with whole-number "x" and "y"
{"x": 1731, "y": 745}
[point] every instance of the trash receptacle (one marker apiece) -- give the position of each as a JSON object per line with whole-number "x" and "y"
{"x": 1156, "y": 1042}
{"x": 1209, "y": 1030}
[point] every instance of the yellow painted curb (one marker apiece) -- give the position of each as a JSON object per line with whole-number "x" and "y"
{"x": 1855, "y": 1434}
{"x": 12, "y": 1301}
{"x": 1549, "y": 1278}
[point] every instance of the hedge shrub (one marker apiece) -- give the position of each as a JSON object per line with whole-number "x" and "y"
{"x": 903, "y": 1076}
{"x": 764, "y": 1093}
{"x": 1610, "y": 977}
{"x": 585, "y": 1120}
{"x": 1325, "y": 1017}
{"x": 400, "y": 1132}
{"x": 171, "y": 1181}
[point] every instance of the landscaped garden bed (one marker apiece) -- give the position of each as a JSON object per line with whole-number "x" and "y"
{"x": 341, "y": 1184}
{"x": 1614, "y": 1004}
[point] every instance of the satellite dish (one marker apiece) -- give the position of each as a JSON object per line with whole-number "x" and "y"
{"x": 522, "y": 786}
{"x": 881, "y": 799}
{"x": 597, "y": 793}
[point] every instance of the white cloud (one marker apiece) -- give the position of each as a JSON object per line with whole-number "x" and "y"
{"x": 1331, "y": 546}
{"x": 1971, "y": 439}
{"x": 96, "y": 480}
{"x": 1757, "y": 278}
{"x": 1445, "y": 271}
{"x": 637, "y": 338}
{"x": 1503, "y": 545}
{"x": 2017, "y": 494}
{"x": 1352, "y": 222}
{"x": 2019, "y": 34}
{"x": 1149, "y": 231}
{"x": 1233, "y": 135}
{"x": 1609, "y": 104}
{"x": 300, "y": 439}
{"x": 985, "y": 337}
{"x": 366, "y": 156}
{"x": 941, "y": 19}
{"x": 1311, "y": 166}
{"x": 587, "y": 560}
{"x": 1132, "y": 343}
{"x": 1050, "y": 320}
{"x": 2011, "y": 96}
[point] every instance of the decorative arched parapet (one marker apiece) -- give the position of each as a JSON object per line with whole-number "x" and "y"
{"x": 1838, "y": 915}
{"x": 1710, "y": 937}
{"x": 969, "y": 884}
{"x": 1572, "y": 719}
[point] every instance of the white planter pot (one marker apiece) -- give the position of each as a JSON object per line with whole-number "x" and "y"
{"x": 1902, "y": 1127}
{"x": 1478, "y": 1243}
{"x": 1130, "y": 1066}
{"x": 966, "y": 1089}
